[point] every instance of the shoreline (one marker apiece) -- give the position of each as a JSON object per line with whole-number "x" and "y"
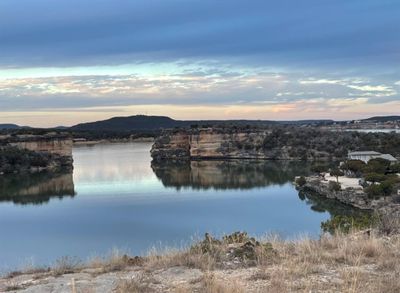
{"x": 354, "y": 197}
{"x": 363, "y": 261}
{"x": 110, "y": 141}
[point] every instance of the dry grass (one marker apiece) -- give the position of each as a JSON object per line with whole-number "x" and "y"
{"x": 116, "y": 260}
{"x": 209, "y": 283}
{"x": 139, "y": 284}
{"x": 66, "y": 265}
{"x": 359, "y": 262}
{"x": 191, "y": 258}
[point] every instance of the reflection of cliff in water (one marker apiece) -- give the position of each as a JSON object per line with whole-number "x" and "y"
{"x": 232, "y": 174}
{"x": 342, "y": 216}
{"x": 334, "y": 207}
{"x": 36, "y": 188}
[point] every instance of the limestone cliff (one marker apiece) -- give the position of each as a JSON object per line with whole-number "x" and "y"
{"x": 49, "y": 143}
{"x": 211, "y": 143}
{"x": 274, "y": 142}
{"x": 20, "y": 153}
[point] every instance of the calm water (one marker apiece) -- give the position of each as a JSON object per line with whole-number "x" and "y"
{"x": 116, "y": 198}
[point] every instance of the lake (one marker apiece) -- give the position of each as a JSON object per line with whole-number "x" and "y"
{"x": 116, "y": 198}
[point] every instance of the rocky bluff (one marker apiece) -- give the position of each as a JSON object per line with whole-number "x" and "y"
{"x": 275, "y": 142}
{"x": 31, "y": 152}
{"x": 210, "y": 143}
{"x": 224, "y": 143}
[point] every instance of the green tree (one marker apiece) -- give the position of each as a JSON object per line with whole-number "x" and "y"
{"x": 336, "y": 172}
{"x": 373, "y": 191}
{"x": 395, "y": 168}
{"x": 318, "y": 168}
{"x": 355, "y": 166}
{"x": 301, "y": 181}
{"x": 387, "y": 188}
{"x": 374, "y": 177}
{"x": 334, "y": 186}
{"x": 377, "y": 165}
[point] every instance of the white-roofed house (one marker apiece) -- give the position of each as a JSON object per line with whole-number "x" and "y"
{"x": 365, "y": 156}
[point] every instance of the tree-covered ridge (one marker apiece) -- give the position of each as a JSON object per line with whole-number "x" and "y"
{"x": 313, "y": 142}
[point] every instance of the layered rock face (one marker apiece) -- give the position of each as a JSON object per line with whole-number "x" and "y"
{"x": 171, "y": 146}
{"x": 56, "y": 150}
{"x": 272, "y": 142}
{"x": 213, "y": 144}
{"x": 61, "y": 146}
{"x": 236, "y": 145}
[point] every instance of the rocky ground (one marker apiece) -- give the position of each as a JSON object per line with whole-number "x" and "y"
{"x": 359, "y": 262}
{"x": 356, "y": 197}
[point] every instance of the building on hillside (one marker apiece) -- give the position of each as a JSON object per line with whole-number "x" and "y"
{"x": 365, "y": 156}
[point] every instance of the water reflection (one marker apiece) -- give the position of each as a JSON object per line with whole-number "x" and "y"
{"x": 250, "y": 174}
{"x": 36, "y": 188}
{"x": 123, "y": 201}
{"x": 223, "y": 175}
{"x": 342, "y": 216}
{"x": 334, "y": 207}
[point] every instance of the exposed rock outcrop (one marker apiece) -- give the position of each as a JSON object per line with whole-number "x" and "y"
{"x": 352, "y": 197}
{"x": 32, "y": 153}
{"x": 211, "y": 143}
{"x": 273, "y": 143}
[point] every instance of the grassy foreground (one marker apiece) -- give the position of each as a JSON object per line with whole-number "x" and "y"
{"x": 355, "y": 262}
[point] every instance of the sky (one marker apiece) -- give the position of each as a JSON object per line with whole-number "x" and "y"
{"x": 69, "y": 61}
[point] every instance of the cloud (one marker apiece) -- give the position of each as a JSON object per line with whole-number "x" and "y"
{"x": 371, "y": 88}
{"x": 321, "y": 81}
{"x": 281, "y": 56}
{"x": 310, "y": 34}
{"x": 214, "y": 86}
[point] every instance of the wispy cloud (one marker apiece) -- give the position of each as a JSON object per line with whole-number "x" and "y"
{"x": 196, "y": 87}
{"x": 311, "y": 57}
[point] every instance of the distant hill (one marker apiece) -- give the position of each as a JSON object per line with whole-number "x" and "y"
{"x": 139, "y": 122}
{"x": 9, "y": 126}
{"x": 142, "y": 122}
{"x": 383, "y": 118}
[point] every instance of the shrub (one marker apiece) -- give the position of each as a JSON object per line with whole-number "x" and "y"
{"x": 355, "y": 166}
{"x": 345, "y": 224}
{"x": 318, "y": 168}
{"x": 373, "y": 191}
{"x": 377, "y": 165}
{"x": 386, "y": 188}
{"x": 374, "y": 177}
{"x": 378, "y": 190}
{"x": 336, "y": 172}
{"x": 301, "y": 181}
{"x": 334, "y": 186}
{"x": 14, "y": 159}
{"x": 395, "y": 168}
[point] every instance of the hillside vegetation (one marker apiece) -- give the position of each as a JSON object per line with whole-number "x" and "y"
{"x": 14, "y": 159}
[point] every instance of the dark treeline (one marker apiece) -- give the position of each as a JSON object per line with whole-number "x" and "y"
{"x": 13, "y": 159}
{"x": 304, "y": 141}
